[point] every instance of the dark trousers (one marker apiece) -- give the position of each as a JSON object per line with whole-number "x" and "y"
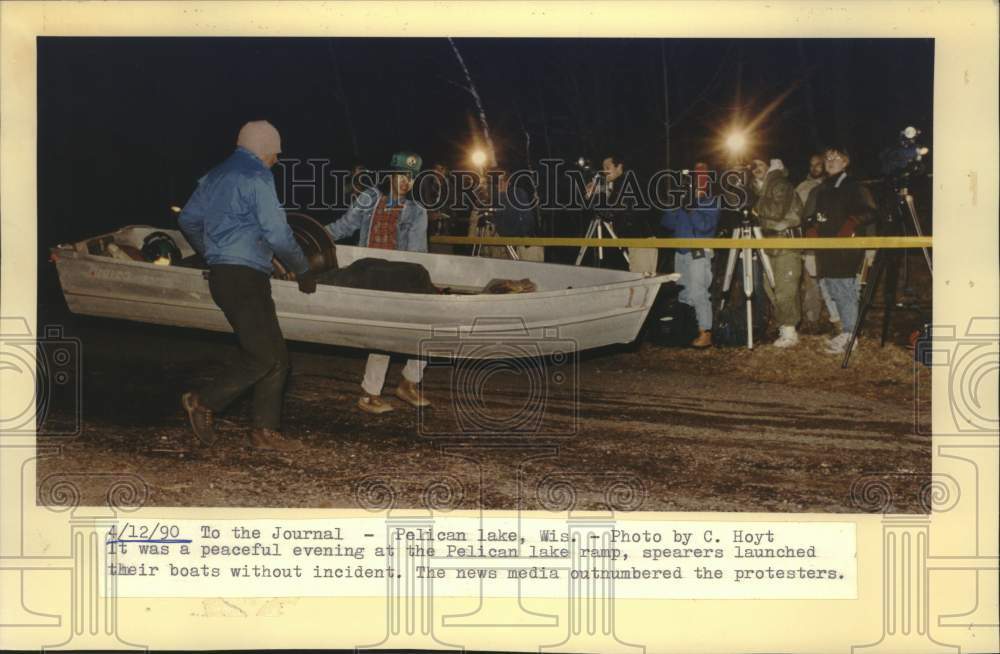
{"x": 244, "y": 295}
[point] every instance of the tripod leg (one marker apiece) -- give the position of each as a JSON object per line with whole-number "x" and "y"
{"x": 915, "y": 221}
{"x": 583, "y": 248}
{"x": 747, "y": 255}
{"x": 765, "y": 263}
{"x": 611, "y": 231}
{"x": 889, "y": 293}
{"x": 748, "y": 292}
{"x": 600, "y": 248}
{"x": 730, "y": 268}
{"x": 866, "y": 301}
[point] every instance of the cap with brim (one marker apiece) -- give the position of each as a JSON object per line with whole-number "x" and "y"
{"x": 407, "y": 162}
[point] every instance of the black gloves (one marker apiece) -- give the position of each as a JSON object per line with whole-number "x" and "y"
{"x": 307, "y": 282}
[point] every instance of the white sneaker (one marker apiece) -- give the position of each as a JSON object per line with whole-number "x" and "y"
{"x": 838, "y": 344}
{"x": 787, "y": 336}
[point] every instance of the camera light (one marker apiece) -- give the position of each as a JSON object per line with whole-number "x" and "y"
{"x": 910, "y": 132}
{"x": 175, "y": 209}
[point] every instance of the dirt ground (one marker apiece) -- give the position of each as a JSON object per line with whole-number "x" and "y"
{"x": 650, "y": 429}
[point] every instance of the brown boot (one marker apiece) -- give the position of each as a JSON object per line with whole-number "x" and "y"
{"x": 200, "y": 417}
{"x": 373, "y": 404}
{"x": 704, "y": 339}
{"x": 268, "y": 439}
{"x": 411, "y": 394}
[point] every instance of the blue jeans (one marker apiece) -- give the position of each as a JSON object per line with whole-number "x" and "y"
{"x": 844, "y": 293}
{"x": 696, "y": 277}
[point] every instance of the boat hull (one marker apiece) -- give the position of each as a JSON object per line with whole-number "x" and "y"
{"x": 573, "y": 309}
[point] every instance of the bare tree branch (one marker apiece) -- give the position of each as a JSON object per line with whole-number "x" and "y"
{"x": 479, "y": 103}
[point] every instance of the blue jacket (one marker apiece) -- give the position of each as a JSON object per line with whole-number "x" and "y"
{"x": 233, "y": 217}
{"x": 411, "y": 230}
{"x": 699, "y": 221}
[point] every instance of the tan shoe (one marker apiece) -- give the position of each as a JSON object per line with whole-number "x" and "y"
{"x": 200, "y": 417}
{"x": 704, "y": 339}
{"x": 373, "y": 404}
{"x": 411, "y": 394}
{"x": 268, "y": 439}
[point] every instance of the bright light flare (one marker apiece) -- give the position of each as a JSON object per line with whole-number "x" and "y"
{"x": 478, "y": 158}
{"x": 736, "y": 143}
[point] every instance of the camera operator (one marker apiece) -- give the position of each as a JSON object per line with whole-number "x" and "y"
{"x": 839, "y": 207}
{"x": 811, "y": 289}
{"x": 507, "y": 212}
{"x": 699, "y": 220}
{"x": 610, "y": 183}
{"x": 778, "y": 209}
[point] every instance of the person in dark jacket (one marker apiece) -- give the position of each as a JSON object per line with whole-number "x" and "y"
{"x": 234, "y": 221}
{"x": 839, "y": 207}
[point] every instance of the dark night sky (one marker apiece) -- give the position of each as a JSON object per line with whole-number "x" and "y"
{"x": 127, "y": 125}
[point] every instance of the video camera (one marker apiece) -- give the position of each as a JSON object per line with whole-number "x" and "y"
{"x": 906, "y": 159}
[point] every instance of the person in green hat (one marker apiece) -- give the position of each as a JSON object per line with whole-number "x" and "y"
{"x": 387, "y": 218}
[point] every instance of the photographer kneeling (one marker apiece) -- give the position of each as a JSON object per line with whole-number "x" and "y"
{"x": 779, "y": 210}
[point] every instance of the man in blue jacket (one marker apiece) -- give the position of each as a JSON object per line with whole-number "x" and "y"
{"x": 700, "y": 220}
{"x": 389, "y": 219}
{"x": 234, "y": 221}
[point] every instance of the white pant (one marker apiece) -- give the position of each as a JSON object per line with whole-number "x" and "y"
{"x": 378, "y": 366}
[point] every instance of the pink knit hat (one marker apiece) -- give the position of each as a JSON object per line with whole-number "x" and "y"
{"x": 260, "y": 137}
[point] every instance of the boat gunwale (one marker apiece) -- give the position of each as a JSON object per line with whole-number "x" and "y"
{"x": 646, "y": 280}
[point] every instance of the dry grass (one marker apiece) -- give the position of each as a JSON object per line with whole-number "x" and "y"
{"x": 888, "y": 372}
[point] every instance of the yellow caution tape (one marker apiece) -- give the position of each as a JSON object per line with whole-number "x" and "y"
{"x": 850, "y": 243}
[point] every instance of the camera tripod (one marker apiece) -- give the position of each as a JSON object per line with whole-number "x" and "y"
{"x": 902, "y": 218}
{"x": 485, "y": 228}
{"x": 748, "y": 256}
{"x": 598, "y": 224}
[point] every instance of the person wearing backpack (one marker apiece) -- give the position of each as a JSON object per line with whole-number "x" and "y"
{"x": 778, "y": 209}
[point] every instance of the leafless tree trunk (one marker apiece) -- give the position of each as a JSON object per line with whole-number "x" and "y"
{"x": 474, "y": 92}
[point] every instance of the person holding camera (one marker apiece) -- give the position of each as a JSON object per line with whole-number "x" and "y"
{"x": 778, "y": 209}
{"x": 387, "y": 218}
{"x": 507, "y": 211}
{"x": 699, "y": 220}
{"x": 606, "y": 191}
{"x": 234, "y": 221}
{"x": 839, "y": 207}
